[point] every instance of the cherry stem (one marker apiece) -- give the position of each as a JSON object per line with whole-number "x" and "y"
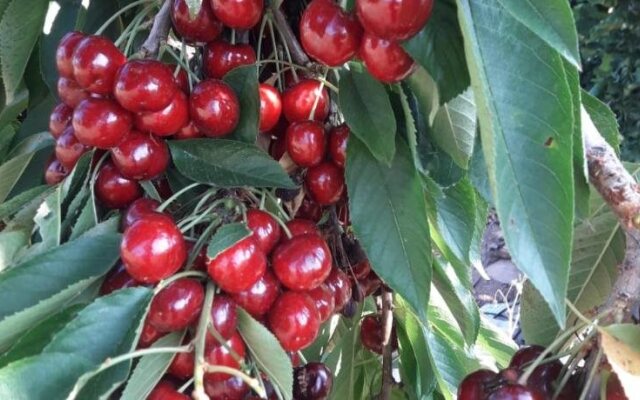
{"x": 186, "y": 385}
{"x": 253, "y": 383}
{"x": 184, "y": 274}
{"x": 214, "y": 332}
{"x": 200, "y": 364}
{"x": 577, "y": 312}
{"x": 387, "y": 325}
{"x": 118, "y": 13}
{"x": 127, "y": 32}
{"x": 592, "y": 374}
{"x": 275, "y": 53}
{"x": 177, "y": 194}
{"x": 182, "y": 63}
{"x": 318, "y": 96}
{"x": 200, "y": 243}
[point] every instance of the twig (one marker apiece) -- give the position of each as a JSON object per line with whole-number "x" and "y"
{"x": 292, "y": 43}
{"x": 159, "y": 31}
{"x": 387, "y": 345}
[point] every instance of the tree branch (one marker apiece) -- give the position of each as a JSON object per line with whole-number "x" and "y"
{"x": 159, "y": 31}
{"x": 297, "y": 53}
{"x": 387, "y": 345}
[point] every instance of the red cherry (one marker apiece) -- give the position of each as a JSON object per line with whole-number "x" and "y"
{"x": 239, "y": 267}
{"x": 202, "y": 27}
{"x": 138, "y": 210}
{"x": 306, "y": 143}
{"x": 64, "y": 53}
{"x": 270, "y": 107}
{"x": 302, "y": 262}
{"x": 162, "y": 186}
{"x": 95, "y": 63}
{"x": 165, "y": 390}
{"x": 238, "y": 14}
{"x": 338, "y": 283}
{"x": 223, "y": 355}
{"x": 214, "y": 108}
{"x": 300, "y": 226}
{"x": 294, "y": 320}
{"x": 101, "y": 123}
{"x": 513, "y": 391}
{"x": 328, "y": 33}
{"x": 324, "y": 300}
{"x": 475, "y": 385}
{"x": 221, "y": 57}
{"x": 182, "y": 365}
{"x": 69, "y": 149}
{"x": 371, "y": 334}
{"x": 144, "y": 85}
{"x": 543, "y": 376}
{"x": 224, "y": 317}
{"x": 189, "y": 131}
{"x": 148, "y": 335}
{"x": 312, "y": 382}
{"x": 114, "y": 190}
{"x": 54, "y": 172}
{"x": 394, "y": 19}
{"x": 118, "y": 278}
{"x": 298, "y": 101}
{"x": 167, "y": 121}
{"x": 176, "y": 306}
{"x": 525, "y": 356}
{"x": 153, "y": 248}
{"x": 615, "y": 391}
{"x": 59, "y": 119}
{"x": 232, "y": 388}
{"x": 278, "y": 147}
{"x": 338, "y": 137}
{"x": 385, "y": 60}
{"x": 310, "y": 210}
{"x": 70, "y": 92}
{"x": 325, "y": 183}
{"x": 141, "y": 156}
{"x": 266, "y": 230}
{"x": 182, "y": 79}
{"x": 257, "y": 300}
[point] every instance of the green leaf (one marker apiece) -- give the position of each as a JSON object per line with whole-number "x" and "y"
{"x": 367, "y": 110}
{"x": 345, "y": 355}
{"x": 394, "y": 195}
{"x": 7, "y": 134}
{"x": 552, "y": 21}
{"x": 603, "y": 118}
{"x": 527, "y": 141}
{"x": 11, "y": 108}
{"x": 439, "y": 48}
{"x": 85, "y": 221}
{"x": 267, "y": 353}
{"x": 454, "y": 128}
{"x": 37, "y": 120}
{"x": 496, "y": 343}
{"x": 225, "y": 237}
{"x": 244, "y": 81}
{"x": 629, "y": 334}
{"x": 11, "y": 171}
{"x": 36, "y": 194}
{"x": 11, "y": 243}
{"x": 48, "y": 219}
{"x": 227, "y": 163}
{"x": 424, "y": 88}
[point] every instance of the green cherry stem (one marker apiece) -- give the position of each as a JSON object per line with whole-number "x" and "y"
{"x": 119, "y": 13}
{"x": 200, "y": 364}
{"x": 171, "y": 199}
{"x": 253, "y": 383}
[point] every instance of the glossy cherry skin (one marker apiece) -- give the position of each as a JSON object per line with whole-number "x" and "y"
{"x": 114, "y": 190}
{"x": 148, "y": 335}
{"x": 513, "y": 391}
{"x": 95, "y": 63}
{"x": 141, "y": 156}
{"x": 265, "y": 228}
{"x": 239, "y": 267}
{"x": 118, "y": 278}
{"x": 328, "y": 33}
{"x": 167, "y": 121}
{"x": 306, "y": 143}
{"x": 324, "y": 300}
{"x": 337, "y": 148}
{"x": 59, "y": 119}
{"x": 325, "y": 183}
{"x": 544, "y": 375}
{"x": 101, "y": 123}
{"x": 257, "y": 300}
{"x": 54, "y": 172}
{"x": 221, "y": 355}
{"x": 165, "y": 390}
{"x": 525, "y": 356}
{"x": 176, "y": 306}
{"x": 270, "y": 107}
{"x": 69, "y": 149}
{"x": 302, "y": 262}
{"x": 138, "y": 210}
{"x": 238, "y": 14}
{"x": 294, "y": 320}
{"x": 298, "y": 101}
{"x": 312, "y": 382}
{"x": 182, "y": 365}
{"x": 189, "y": 131}
{"x": 224, "y": 317}
{"x": 338, "y": 283}
{"x": 153, "y": 248}
{"x": 64, "y": 53}
{"x": 301, "y": 226}
{"x": 70, "y": 92}
{"x": 361, "y": 269}
{"x": 385, "y": 60}
{"x": 201, "y": 28}
{"x": 144, "y": 85}
{"x": 476, "y": 385}
{"x": 232, "y": 388}
{"x": 371, "y": 333}
{"x": 394, "y": 19}
{"x": 214, "y": 108}
{"x": 221, "y": 57}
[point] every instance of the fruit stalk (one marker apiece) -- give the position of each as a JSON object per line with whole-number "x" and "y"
{"x": 387, "y": 348}
{"x": 159, "y": 31}
{"x": 205, "y": 318}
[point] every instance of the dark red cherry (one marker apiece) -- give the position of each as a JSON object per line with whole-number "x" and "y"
{"x": 306, "y": 143}
{"x": 265, "y": 228}
{"x": 176, "y": 306}
{"x": 324, "y": 300}
{"x": 54, "y": 172}
{"x": 238, "y": 14}
{"x": 310, "y": 210}
{"x": 59, "y": 119}
{"x": 182, "y": 79}
{"x": 525, "y": 356}
{"x": 70, "y": 92}
{"x": 153, "y": 248}
{"x": 189, "y": 131}
{"x": 298, "y": 101}
{"x": 325, "y": 183}
{"x": 294, "y": 320}
{"x": 476, "y": 385}
{"x": 221, "y": 57}
{"x": 257, "y": 300}
{"x": 141, "y": 156}
{"x": 182, "y": 365}
{"x": 371, "y": 333}
{"x": 270, "y": 107}
{"x": 338, "y": 283}
{"x": 615, "y": 391}
{"x": 302, "y": 262}
{"x": 166, "y": 390}
{"x": 301, "y": 226}
{"x": 144, "y": 85}
{"x": 328, "y": 33}
{"x": 118, "y": 278}
{"x": 214, "y": 108}
{"x": 232, "y": 388}
{"x": 101, "y": 123}
{"x": 95, "y": 63}
{"x": 513, "y": 391}
{"x": 544, "y": 374}
{"x": 312, "y": 381}
{"x": 138, "y": 210}
{"x": 278, "y": 147}
{"x": 394, "y": 19}
{"x": 201, "y": 28}
{"x": 239, "y": 267}
{"x": 224, "y": 317}
{"x": 69, "y": 149}
{"x": 223, "y": 355}
{"x": 385, "y": 60}
{"x": 114, "y": 190}
{"x": 64, "y": 53}
{"x": 167, "y": 121}
{"x": 338, "y": 144}
{"x": 148, "y": 336}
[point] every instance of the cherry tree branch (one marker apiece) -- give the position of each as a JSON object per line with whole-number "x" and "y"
{"x": 159, "y": 31}
{"x": 291, "y": 41}
{"x": 387, "y": 345}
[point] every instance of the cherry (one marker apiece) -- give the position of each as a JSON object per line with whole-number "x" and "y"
{"x": 64, "y": 53}
{"x": 148, "y": 335}
{"x": 615, "y": 391}
{"x": 278, "y": 147}
{"x": 95, "y": 63}
{"x": 338, "y": 137}
{"x": 189, "y": 131}
{"x": 223, "y": 355}
{"x": 167, "y": 121}
{"x": 232, "y": 388}
{"x": 221, "y": 57}
{"x": 118, "y": 278}
{"x": 338, "y": 283}
{"x": 302, "y": 262}
{"x": 70, "y": 92}
{"x": 182, "y": 79}
{"x": 324, "y": 300}
{"x": 69, "y": 149}
{"x": 239, "y": 267}
{"x": 294, "y": 320}
{"x": 300, "y": 226}
{"x": 312, "y": 382}
{"x": 162, "y": 186}
{"x": 182, "y": 365}
{"x": 101, "y": 123}
{"x": 54, "y": 172}
{"x": 153, "y": 248}
{"x": 257, "y": 300}
{"x": 266, "y": 230}
{"x": 310, "y": 210}
{"x": 325, "y": 183}
{"x": 513, "y": 391}
{"x": 306, "y": 143}
{"x": 238, "y": 14}
{"x": 394, "y": 19}
{"x": 176, "y": 306}
{"x": 201, "y": 28}
{"x": 214, "y": 108}
{"x": 328, "y": 33}
{"x": 138, "y": 210}
{"x": 475, "y": 385}
{"x": 141, "y": 156}
{"x": 224, "y": 317}
{"x": 114, "y": 190}
{"x": 144, "y": 85}
{"x": 371, "y": 334}
{"x": 543, "y": 375}
{"x": 385, "y": 60}
{"x": 59, "y": 119}
{"x": 165, "y": 390}
{"x": 298, "y": 101}
{"x": 270, "y": 107}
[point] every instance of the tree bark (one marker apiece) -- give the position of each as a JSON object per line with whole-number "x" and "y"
{"x": 159, "y": 31}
